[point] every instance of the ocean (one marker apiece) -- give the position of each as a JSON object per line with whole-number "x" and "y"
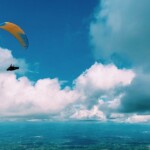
{"x": 74, "y": 135}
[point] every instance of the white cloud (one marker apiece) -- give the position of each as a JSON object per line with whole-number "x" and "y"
{"x": 93, "y": 91}
{"x": 122, "y": 27}
{"x": 94, "y": 113}
{"x": 129, "y": 118}
{"x": 103, "y": 78}
{"x": 102, "y": 82}
{"x": 138, "y": 119}
{"x": 21, "y": 97}
{"x": 6, "y": 59}
{"x": 102, "y": 90}
{"x": 120, "y": 33}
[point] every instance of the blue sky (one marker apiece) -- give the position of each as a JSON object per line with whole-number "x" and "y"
{"x": 58, "y": 35}
{"x": 84, "y": 61}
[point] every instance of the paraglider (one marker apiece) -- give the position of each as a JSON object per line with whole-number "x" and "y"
{"x": 17, "y": 32}
{"x": 12, "y": 68}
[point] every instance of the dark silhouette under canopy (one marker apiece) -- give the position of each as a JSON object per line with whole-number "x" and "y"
{"x": 12, "y": 68}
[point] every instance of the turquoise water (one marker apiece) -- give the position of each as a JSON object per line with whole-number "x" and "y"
{"x": 73, "y": 136}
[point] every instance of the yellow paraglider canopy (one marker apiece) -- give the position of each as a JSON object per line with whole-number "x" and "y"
{"x": 17, "y": 32}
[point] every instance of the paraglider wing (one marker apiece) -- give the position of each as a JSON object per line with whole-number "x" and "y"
{"x": 17, "y": 32}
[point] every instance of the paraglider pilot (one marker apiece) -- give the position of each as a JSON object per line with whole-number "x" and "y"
{"x": 12, "y": 68}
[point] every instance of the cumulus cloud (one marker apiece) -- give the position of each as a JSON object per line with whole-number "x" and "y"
{"x": 122, "y": 27}
{"x": 102, "y": 82}
{"x": 138, "y": 118}
{"x": 137, "y": 95}
{"x": 103, "y": 77}
{"x": 94, "y": 95}
{"x": 46, "y": 99}
{"x": 6, "y": 59}
{"x": 85, "y": 114}
{"x": 99, "y": 90}
{"x": 120, "y": 33}
{"x": 129, "y": 118}
{"x": 21, "y": 97}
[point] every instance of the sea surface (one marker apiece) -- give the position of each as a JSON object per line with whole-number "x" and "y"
{"x": 74, "y": 135}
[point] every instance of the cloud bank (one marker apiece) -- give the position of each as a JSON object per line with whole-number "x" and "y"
{"x": 115, "y": 91}
{"x": 93, "y": 95}
{"x": 120, "y": 33}
{"x": 122, "y": 27}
